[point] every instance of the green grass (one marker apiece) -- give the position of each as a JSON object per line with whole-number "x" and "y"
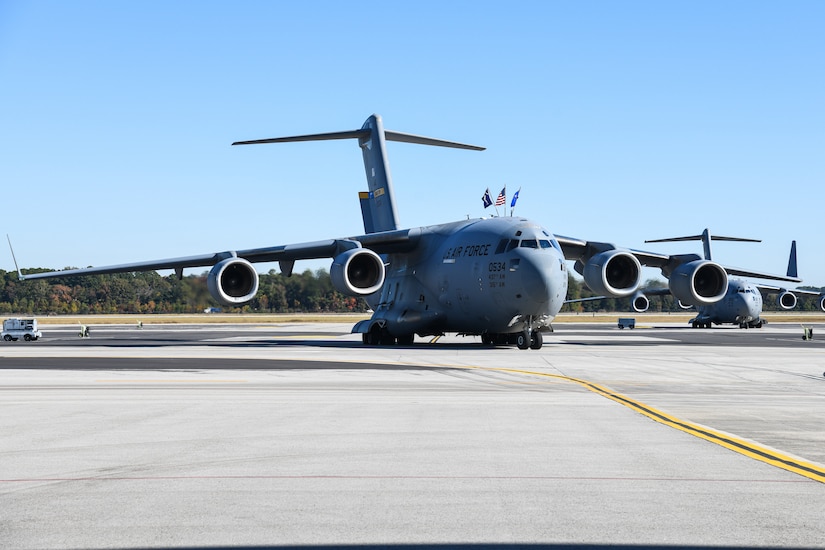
{"x": 225, "y": 318}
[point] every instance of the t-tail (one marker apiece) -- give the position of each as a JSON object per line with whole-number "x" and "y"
{"x": 706, "y": 237}
{"x": 378, "y": 203}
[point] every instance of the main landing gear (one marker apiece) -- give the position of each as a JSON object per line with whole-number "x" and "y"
{"x": 378, "y": 336}
{"x": 526, "y": 339}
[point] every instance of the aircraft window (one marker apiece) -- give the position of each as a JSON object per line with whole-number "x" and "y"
{"x": 512, "y": 244}
{"x": 556, "y": 245}
{"x": 544, "y": 243}
{"x": 529, "y": 243}
{"x": 514, "y": 264}
{"x": 518, "y": 233}
{"x": 502, "y": 246}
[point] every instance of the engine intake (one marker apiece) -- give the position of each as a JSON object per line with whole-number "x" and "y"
{"x": 786, "y": 300}
{"x": 233, "y": 282}
{"x": 357, "y": 272}
{"x": 615, "y": 273}
{"x": 700, "y": 282}
{"x": 639, "y": 302}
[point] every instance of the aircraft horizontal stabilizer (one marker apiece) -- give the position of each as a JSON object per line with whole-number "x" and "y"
{"x": 363, "y": 133}
{"x": 421, "y": 140}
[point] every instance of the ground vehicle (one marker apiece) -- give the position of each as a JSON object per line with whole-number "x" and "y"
{"x": 627, "y": 322}
{"x": 14, "y": 329}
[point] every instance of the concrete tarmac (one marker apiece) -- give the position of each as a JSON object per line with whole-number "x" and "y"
{"x": 293, "y": 434}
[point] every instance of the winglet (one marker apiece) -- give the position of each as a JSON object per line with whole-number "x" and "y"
{"x": 19, "y": 273}
{"x": 792, "y": 261}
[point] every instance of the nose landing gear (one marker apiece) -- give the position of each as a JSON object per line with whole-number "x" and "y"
{"x": 529, "y": 339}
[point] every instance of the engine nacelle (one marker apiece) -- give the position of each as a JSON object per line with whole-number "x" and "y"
{"x": 357, "y": 272}
{"x": 233, "y": 282}
{"x": 786, "y": 300}
{"x": 822, "y": 302}
{"x": 615, "y": 273}
{"x": 699, "y": 283}
{"x": 639, "y": 302}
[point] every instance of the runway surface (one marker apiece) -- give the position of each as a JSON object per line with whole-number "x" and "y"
{"x": 293, "y": 434}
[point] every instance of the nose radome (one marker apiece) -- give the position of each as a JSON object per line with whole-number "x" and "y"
{"x": 539, "y": 279}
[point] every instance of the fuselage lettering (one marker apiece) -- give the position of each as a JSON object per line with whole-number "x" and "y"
{"x": 467, "y": 251}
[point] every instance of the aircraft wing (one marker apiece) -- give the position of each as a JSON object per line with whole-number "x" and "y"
{"x": 581, "y": 250}
{"x": 778, "y": 289}
{"x": 757, "y": 275}
{"x": 578, "y": 249}
{"x": 383, "y": 242}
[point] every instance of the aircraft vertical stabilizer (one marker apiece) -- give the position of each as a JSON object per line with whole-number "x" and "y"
{"x": 380, "y": 202}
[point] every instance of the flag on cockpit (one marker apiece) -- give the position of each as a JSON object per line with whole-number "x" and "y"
{"x": 515, "y": 198}
{"x": 487, "y": 199}
{"x": 502, "y": 197}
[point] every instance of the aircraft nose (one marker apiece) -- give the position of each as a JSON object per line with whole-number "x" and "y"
{"x": 746, "y": 308}
{"x": 544, "y": 282}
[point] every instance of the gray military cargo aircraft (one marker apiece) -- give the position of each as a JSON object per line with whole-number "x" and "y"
{"x": 742, "y": 303}
{"x": 501, "y": 278}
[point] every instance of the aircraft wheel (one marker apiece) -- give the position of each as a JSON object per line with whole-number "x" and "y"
{"x": 406, "y": 340}
{"x": 373, "y": 337}
{"x": 486, "y": 339}
{"x": 523, "y": 340}
{"x": 536, "y": 340}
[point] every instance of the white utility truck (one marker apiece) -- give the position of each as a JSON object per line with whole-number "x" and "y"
{"x": 13, "y": 329}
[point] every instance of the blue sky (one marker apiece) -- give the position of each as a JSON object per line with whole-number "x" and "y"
{"x": 619, "y": 121}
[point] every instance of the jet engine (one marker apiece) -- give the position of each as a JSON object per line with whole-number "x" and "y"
{"x": 233, "y": 282}
{"x": 639, "y": 302}
{"x": 615, "y": 273}
{"x": 822, "y": 303}
{"x": 698, "y": 283}
{"x": 357, "y": 272}
{"x": 786, "y": 300}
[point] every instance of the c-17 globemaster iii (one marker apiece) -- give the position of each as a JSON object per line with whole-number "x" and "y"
{"x": 742, "y": 303}
{"x": 501, "y": 278}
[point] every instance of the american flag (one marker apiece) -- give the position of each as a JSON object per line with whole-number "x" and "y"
{"x": 502, "y": 197}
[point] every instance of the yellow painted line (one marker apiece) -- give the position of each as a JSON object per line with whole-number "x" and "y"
{"x": 741, "y": 446}
{"x": 167, "y": 381}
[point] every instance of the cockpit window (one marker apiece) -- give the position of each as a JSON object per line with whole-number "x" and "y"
{"x": 506, "y": 245}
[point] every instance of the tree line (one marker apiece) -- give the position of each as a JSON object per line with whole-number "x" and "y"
{"x": 310, "y": 291}
{"x": 150, "y": 292}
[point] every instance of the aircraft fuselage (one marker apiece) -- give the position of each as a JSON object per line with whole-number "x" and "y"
{"x": 479, "y": 276}
{"x": 742, "y": 305}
